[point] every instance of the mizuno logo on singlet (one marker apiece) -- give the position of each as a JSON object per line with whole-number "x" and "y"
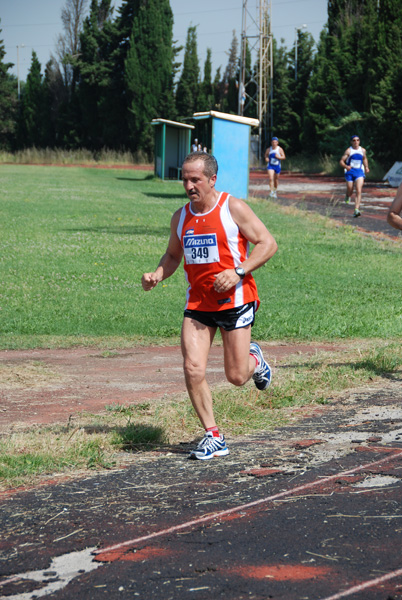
{"x": 199, "y": 240}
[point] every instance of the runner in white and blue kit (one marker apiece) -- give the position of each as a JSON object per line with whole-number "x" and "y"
{"x": 355, "y": 163}
{"x": 273, "y": 157}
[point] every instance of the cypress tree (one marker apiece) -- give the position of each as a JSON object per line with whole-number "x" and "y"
{"x": 188, "y": 85}
{"x": 355, "y": 84}
{"x": 386, "y": 113}
{"x": 231, "y": 78}
{"x": 299, "y": 86}
{"x": 206, "y": 96}
{"x": 339, "y": 94}
{"x": 101, "y": 99}
{"x": 149, "y": 69}
{"x": 8, "y": 99}
{"x": 31, "y": 119}
{"x": 284, "y": 120}
{"x": 218, "y": 89}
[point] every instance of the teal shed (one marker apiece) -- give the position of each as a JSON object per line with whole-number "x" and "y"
{"x": 172, "y": 144}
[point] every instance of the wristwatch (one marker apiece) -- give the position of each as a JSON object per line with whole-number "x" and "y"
{"x": 240, "y": 272}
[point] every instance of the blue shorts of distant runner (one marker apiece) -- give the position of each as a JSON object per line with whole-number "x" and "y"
{"x": 276, "y": 168}
{"x": 233, "y": 318}
{"x": 354, "y": 174}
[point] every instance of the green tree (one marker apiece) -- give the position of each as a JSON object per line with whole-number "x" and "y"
{"x": 386, "y": 108}
{"x": 8, "y": 100}
{"x": 219, "y": 90}
{"x": 60, "y": 80}
{"x": 284, "y": 119}
{"x": 298, "y": 84}
{"x": 231, "y": 78}
{"x": 149, "y": 70}
{"x": 356, "y": 77}
{"x": 188, "y": 86}
{"x": 32, "y": 117}
{"x": 101, "y": 110}
{"x": 206, "y": 99}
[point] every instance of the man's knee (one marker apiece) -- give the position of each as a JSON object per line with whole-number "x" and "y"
{"x": 193, "y": 372}
{"x": 237, "y": 378}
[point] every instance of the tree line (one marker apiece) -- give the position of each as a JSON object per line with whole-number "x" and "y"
{"x": 112, "y": 74}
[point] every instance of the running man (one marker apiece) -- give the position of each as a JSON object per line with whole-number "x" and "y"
{"x": 273, "y": 156}
{"x": 355, "y": 163}
{"x": 213, "y": 232}
{"x": 394, "y": 214}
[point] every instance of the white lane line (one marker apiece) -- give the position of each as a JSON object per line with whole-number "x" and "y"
{"x": 364, "y": 586}
{"x": 230, "y": 511}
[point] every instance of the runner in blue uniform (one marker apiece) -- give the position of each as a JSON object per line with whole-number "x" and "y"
{"x": 355, "y": 163}
{"x": 273, "y": 156}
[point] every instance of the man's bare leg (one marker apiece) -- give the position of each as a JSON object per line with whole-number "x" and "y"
{"x": 196, "y": 340}
{"x": 239, "y": 364}
{"x": 359, "y": 187}
{"x": 349, "y": 191}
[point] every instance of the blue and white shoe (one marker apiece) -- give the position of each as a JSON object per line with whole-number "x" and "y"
{"x": 262, "y": 375}
{"x": 209, "y": 447}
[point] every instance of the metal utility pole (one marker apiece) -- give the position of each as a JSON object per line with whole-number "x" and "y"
{"x": 255, "y": 85}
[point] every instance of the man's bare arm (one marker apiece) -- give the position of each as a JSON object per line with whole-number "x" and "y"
{"x": 256, "y": 233}
{"x": 343, "y": 160}
{"x": 169, "y": 261}
{"x": 365, "y": 161}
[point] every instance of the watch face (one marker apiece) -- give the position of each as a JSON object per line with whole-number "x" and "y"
{"x": 240, "y": 271}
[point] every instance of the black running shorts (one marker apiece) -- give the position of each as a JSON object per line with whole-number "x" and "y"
{"x": 233, "y": 318}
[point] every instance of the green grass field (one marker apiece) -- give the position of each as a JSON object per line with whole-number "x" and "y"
{"x": 75, "y": 242}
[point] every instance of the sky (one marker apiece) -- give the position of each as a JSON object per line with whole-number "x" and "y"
{"x": 36, "y": 25}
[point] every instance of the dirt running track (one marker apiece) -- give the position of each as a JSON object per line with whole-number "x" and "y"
{"x": 325, "y": 195}
{"x": 312, "y": 511}
{"x": 48, "y": 386}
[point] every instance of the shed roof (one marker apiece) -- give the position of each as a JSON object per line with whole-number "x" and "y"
{"x": 227, "y": 117}
{"x": 172, "y": 123}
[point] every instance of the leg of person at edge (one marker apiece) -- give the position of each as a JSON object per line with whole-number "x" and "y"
{"x": 355, "y": 164}
{"x": 394, "y": 217}
{"x": 212, "y": 232}
{"x": 273, "y": 157}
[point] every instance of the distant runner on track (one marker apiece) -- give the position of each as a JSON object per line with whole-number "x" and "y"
{"x": 212, "y": 232}
{"x": 273, "y": 157}
{"x": 355, "y": 163}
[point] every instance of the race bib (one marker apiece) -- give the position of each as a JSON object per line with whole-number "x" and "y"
{"x": 200, "y": 249}
{"x": 274, "y": 161}
{"x": 356, "y": 164}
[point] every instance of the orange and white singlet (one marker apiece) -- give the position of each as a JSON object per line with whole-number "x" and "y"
{"x": 212, "y": 242}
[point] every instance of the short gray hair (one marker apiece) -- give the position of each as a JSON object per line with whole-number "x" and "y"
{"x": 210, "y": 162}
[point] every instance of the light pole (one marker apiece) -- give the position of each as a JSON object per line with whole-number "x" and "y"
{"x": 18, "y": 67}
{"x": 297, "y": 29}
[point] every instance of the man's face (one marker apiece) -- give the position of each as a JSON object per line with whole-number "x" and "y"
{"x": 196, "y": 184}
{"x": 355, "y": 142}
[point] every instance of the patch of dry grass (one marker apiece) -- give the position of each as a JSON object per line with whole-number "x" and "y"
{"x": 108, "y": 439}
{"x": 63, "y": 156}
{"x": 31, "y": 374}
